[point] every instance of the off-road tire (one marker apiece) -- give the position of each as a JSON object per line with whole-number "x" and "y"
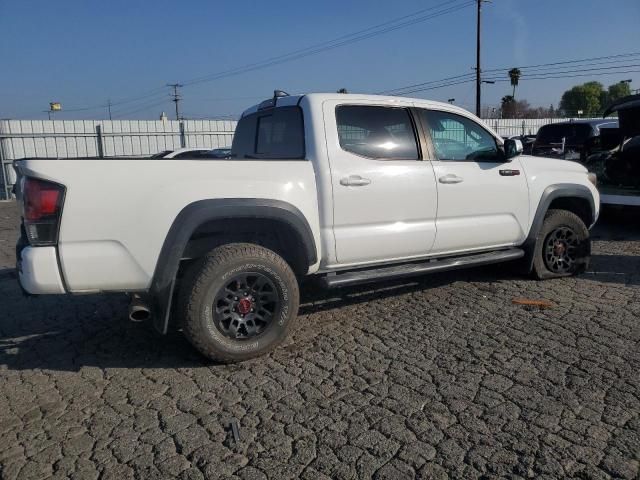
{"x": 557, "y": 220}
{"x": 205, "y": 279}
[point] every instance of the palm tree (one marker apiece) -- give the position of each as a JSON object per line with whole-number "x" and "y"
{"x": 514, "y": 75}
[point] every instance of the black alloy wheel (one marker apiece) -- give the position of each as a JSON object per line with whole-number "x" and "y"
{"x": 246, "y": 306}
{"x": 560, "y": 250}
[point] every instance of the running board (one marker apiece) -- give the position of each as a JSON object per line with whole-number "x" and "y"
{"x": 334, "y": 280}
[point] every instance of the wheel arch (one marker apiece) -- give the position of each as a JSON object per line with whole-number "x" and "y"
{"x": 575, "y": 198}
{"x": 225, "y": 211}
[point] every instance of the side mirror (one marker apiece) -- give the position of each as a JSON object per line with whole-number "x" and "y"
{"x": 512, "y": 148}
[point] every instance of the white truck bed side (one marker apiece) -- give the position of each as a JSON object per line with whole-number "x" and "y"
{"x": 117, "y": 213}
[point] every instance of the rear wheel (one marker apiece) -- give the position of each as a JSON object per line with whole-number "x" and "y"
{"x": 563, "y": 246}
{"x": 240, "y": 302}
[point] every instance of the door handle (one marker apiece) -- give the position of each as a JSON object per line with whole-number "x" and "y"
{"x": 450, "y": 178}
{"x": 354, "y": 181}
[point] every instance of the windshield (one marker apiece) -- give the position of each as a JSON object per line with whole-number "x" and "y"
{"x": 575, "y": 134}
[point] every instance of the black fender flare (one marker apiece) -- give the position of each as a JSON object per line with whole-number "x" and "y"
{"x": 196, "y": 214}
{"x": 551, "y": 193}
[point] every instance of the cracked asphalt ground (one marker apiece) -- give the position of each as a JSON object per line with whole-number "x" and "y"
{"x": 439, "y": 377}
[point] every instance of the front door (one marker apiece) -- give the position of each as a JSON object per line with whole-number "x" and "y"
{"x": 384, "y": 195}
{"x": 483, "y": 201}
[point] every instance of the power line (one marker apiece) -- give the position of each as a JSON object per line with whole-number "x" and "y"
{"x": 435, "y": 87}
{"x": 632, "y": 54}
{"x": 446, "y": 7}
{"x": 101, "y": 106}
{"x": 139, "y": 108}
{"x": 575, "y": 76}
{"x": 581, "y": 70}
{"x": 340, "y": 41}
{"x": 424, "y": 89}
{"x": 390, "y": 92}
{"x": 466, "y": 78}
{"x": 611, "y": 63}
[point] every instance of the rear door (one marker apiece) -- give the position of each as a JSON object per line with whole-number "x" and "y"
{"x": 384, "y": 194}
{"x": 483, "y": 201}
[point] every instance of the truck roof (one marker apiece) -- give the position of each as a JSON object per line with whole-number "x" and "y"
{"x": 380, "y": 99}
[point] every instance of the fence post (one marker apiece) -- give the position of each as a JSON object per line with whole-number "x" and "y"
{"x": 183, "y": 137}
{"x": 5, "y": 181}
{"x": 523, "y": 125}
{"x": 100, "y": 141}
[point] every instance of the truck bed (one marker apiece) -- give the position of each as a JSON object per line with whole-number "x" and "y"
{"x": 117, "y": 212}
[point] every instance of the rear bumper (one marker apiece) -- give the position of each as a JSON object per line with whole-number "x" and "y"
{"x": 38, "y": 271}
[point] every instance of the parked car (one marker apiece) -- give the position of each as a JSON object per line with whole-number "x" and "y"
{"x": 567, "y": 139}
{"x": 615, "y": 155}
{"x": 343, "y": 188}
{"x": 186, "y": 153}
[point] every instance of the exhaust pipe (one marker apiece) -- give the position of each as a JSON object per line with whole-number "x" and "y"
{"x": 139, "y": 311}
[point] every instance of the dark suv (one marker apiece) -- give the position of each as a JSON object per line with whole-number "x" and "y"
{"x": 568, "y": 140}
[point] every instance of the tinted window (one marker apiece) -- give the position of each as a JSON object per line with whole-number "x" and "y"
{"x": 274, "y": 133}
{"x": 459, "y": 138}
{"x": 575, "y": 134}
{"x": 377, "y": 132}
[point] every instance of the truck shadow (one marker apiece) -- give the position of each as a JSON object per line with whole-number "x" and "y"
{"x": 67, "y": 333}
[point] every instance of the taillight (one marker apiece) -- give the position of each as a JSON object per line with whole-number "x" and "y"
{"x": 42, "y": 205}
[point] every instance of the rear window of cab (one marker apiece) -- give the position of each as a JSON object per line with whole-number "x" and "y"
{"x": 275, "y": 133}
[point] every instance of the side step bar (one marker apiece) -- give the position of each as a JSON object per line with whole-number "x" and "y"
{"x": 334, "y": 280}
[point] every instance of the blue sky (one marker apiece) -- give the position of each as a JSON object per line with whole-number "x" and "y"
{"x": 82, "y": 52}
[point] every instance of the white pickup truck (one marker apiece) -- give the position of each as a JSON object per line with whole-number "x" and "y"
{"x": 345, "y": 188}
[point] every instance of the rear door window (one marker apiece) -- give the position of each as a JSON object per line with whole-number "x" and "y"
{"x": 377, "y": 132}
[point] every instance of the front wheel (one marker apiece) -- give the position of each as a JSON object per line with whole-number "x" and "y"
{"x": 239, "y": 303}
{"x": 563, "y": 246}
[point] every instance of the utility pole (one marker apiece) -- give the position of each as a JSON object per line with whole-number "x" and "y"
{"x": 176, "y": 97}
{"x": 109, "y": 107}
{"x": 478, "y": 79}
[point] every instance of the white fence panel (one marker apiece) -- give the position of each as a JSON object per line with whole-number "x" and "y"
{"x": 102, "y": 139}
{"x": 117, "y": 138}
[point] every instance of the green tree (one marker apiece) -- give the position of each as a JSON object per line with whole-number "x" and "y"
{"x": 514, "y": 77}
{"x": 508, "y": 105}
{"x": 586, "y": 97}
{"x": 614, "y": 92}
